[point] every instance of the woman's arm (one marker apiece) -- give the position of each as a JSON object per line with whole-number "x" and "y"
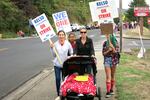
{"x": 105, "y": 52}
{"x": 92, "y": 49}
{"x": 51, "y": 49}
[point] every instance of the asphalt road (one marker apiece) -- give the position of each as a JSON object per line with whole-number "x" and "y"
{"x": 135, "y": 43}
{"x": 20, "y": 60}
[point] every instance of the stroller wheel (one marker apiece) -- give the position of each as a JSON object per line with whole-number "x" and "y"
{"x": 62, "y": 98}
{"x": 99, "y": 93}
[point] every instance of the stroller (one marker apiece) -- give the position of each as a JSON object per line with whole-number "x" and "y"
{"x": 80, "y": 65}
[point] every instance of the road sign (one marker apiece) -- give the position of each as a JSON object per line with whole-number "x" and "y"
{"x": 43, "y": 27}
{"x": 141, "y": 11}
{"x": 62, "y": 21}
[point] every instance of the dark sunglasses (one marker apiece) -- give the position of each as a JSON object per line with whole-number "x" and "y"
{"x": 83, "y": 32}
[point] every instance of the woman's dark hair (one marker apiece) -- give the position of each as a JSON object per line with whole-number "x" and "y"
{"x": 71, "y": 33}
{"x": 83, "y": 29}
{"x": 61, "y": 31}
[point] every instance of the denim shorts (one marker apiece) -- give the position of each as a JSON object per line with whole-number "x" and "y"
{"x": 108, "y": 61}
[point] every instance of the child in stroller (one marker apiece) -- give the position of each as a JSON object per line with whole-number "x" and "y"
{"x": 79, "y": 83}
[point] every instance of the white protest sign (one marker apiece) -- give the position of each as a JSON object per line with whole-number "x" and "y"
{"x": 103, "y": 11}
{"x": 43, "y": 27}
{"x": 61, "y": 21}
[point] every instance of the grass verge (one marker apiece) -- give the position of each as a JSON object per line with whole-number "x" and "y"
{"x": 135, "y": 32}
{"x": 9, "y": 35}
{"x": 133, "y": 77}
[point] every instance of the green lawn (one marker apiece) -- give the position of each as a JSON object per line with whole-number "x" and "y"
{"x": 135, "y": 32}
{"x": 133, "y": 77}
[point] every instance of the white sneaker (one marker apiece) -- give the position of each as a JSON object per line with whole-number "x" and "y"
{"x": 58, "y": 98}
{"x": 80, "y": 95}
{"x": 108, "y": 95}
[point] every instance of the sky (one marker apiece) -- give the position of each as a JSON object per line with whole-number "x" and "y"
{"x": 125, "y": 3}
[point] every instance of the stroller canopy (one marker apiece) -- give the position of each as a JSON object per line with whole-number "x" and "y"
{"x": 79, "y": 64}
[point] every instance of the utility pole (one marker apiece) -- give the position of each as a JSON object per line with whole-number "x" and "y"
{"x": 120, "y": 22}
{"x": 141, "y": 25}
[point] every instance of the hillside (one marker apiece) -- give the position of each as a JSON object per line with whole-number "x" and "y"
{"x": 14, "y": 14}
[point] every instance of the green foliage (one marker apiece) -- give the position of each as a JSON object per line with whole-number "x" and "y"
{"x": 10, "y": 17}
{"x": 130, "y": 75}
{"x": 116, "y": 20}
{"x": 9, "y": 35}
{"x": 14, "y": 14}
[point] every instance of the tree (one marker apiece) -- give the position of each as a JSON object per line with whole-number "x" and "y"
{"x": 10, "y": 17}
{"x": 27, "y": 7}
{"x": 15, "y": 14}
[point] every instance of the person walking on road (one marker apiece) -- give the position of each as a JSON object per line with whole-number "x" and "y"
{"x": 84, "y": 45}
{"x": 111, "y": 59}
{"x": 62, "y": 47}
{"x": 72, "y": 40}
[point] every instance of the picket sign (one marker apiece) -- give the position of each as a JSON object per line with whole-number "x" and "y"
{"x": 103, "y": 11}
{"x": 61, "y": 21}
{"x": 45, "y": 31}
{"x": 43, "y": 27}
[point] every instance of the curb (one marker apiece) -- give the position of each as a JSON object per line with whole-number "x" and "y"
{"x": 134, "y": 38}
{"x": 27, "y": 86}
{"x": 19, "y": 38}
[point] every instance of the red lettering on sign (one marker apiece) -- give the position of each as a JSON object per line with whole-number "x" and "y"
{"x": 104, "y": 15}
{"x": 42, "y": 26}
{"x": 62, "y": 22}
{"x": 45, "y": 30}
{"x": 103, "y": 11}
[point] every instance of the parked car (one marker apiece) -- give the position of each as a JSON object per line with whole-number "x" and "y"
{"x": 88, "y": 27}
{"x": 82, "y": 26}
{"x": 75, "y": 27}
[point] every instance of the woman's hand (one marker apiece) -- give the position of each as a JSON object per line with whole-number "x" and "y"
{"x": 110, "y": 49}
{"x": 51, "y": 44}
{"x": 113, "y": 48}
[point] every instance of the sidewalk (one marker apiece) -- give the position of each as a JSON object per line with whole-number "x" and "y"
{"x": 44, "y": 89}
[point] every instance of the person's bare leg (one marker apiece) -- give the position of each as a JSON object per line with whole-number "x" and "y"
{"x": 108, "y": 78}
{"x": 113, "y": 71}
